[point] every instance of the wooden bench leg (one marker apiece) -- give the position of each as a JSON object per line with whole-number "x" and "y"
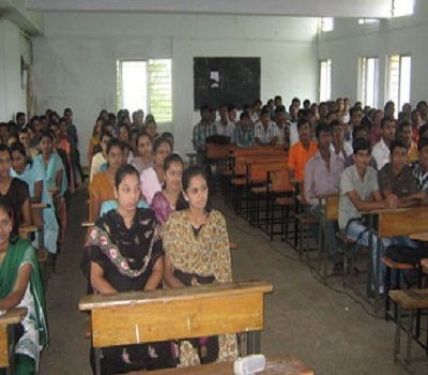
{"x": 253, "y": 342}
{"x": 11, "y": 340}
{"x": 397, "y": 334}
{"x": 97, "y": 355}
{"x": 410, "y": 337}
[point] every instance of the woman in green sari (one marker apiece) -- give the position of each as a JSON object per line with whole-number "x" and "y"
{"x": 21, "y": 286}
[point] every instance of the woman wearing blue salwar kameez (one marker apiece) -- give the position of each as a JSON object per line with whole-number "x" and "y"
{"x": 32, "y": 172}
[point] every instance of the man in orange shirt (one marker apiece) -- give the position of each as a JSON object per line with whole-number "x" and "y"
{"x": 302, "y": 151}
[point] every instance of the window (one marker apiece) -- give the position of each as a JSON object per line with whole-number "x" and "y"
{"x": 325, "y": 80}
{"x": 146, "y": 85}
{"x": 399, "y": 79}
{"x": 326, "y": 24}
{"x": 367, "y": 21}
{"x": 402, "y": 8}
{"x": 369, "y": 81}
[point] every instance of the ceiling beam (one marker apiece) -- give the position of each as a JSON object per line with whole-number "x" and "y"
{"x": 306, "y": 8}
{"x": 28, "y": 21}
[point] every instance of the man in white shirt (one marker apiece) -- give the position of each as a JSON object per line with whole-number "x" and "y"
{"x": 338, "y": 146}
{"x": 223, "y": 125}
{"x": 266, "y": 132}
{"x": 381, "y": 151}
{"x": 282, "y": 126}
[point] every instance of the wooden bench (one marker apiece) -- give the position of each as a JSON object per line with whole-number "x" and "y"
{"x": 394, "y": 223}
{"x": 279, "y": 365}
{"x": 170, "y": 314}
{"x": 410, "y": 300}
{"x": 7, "y": 337}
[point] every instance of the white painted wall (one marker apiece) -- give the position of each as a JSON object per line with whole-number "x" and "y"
{"x": 350, "y": 41}
{"x": 12, "y": 46}
{"x": 75, "y": 61}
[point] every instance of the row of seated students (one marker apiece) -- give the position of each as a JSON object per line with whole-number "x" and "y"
{"x": 271, "y": 124}
{"x": 392, "y": 173}
{"x": 154, "y": 226}
{"x": 333, "y": 143}
{"x": 180, "y": 242}
{"x": 32, "y": 171}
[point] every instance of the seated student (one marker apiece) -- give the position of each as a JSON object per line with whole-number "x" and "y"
{"x": 21, "y": 120}
{"x": 143, "y": 160}
{"x": 123, "y": 253}
{"x": 55, "y": 178}
{"x": 13, "y": 191}
{"x": 25, "y": 140}
{"x": 356, "y": 118}
{"x": 359, "y": 191}
{"x": 100, "y": 157}
{"x": 266, "y": 132}
{"x": 151, "y": 127}
{"x": 223, "y": 125}
{"x": 244, "y": 131}
{"x": 201, "y": 131}
{"x": 255, "y": 111}
{"x": 405, "y": 135}
{"x": 322, "y": 175}
{"x": 4, "y": 132}
{"x": 375, "y": 132}
{"x": 197, "y": 252}
{"x": 22, "y": 286}
{"x": 417, "y": 122}
{"x": 302, "y": 151}
{"x": 124, "y": 135}
{"x": 32, "y": 173}
{"x": 63, "y": 147}
{"x": 164, "y": 202}
{"x": 397, "y": 178}
{"x": 294, "y": 133}
{"x": 232, "y": 113}
{"x": 420, "y": 169}
{"x": 338, "y": 145}
{"x": 283, "y": 126}
{"x": 94, "y": 142}
{"x": 380, "y": 151}
{"x": 169, "y": 137}
{"x": 153, "y": 178}
{"x": 101, "y": 188}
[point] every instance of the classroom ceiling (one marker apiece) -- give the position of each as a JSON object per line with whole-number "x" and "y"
{"x": 307, "y": 8}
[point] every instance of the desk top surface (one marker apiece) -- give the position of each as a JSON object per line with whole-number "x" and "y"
{"x": 131, "y": 298}
{"x": 13, "y": 316}
{"x": 423, "y": 237}
{"x": 280, "y": 365}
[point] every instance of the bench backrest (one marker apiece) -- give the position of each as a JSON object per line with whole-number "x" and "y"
{"x": 280, "y": 180}
{"x": 332, "y": 208}
{"x": 256, "y": 150}
{"x": 167, "y": 314}
{"x": 217, "y": 152}
{"x": 241, "y": 163}
{"x": 258, "y": 172}
{"x": 402, "y": 222}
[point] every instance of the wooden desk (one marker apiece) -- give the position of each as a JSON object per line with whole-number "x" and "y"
{"x": 25, "y": 231}
{"x": 168, "y": 314}
{"x": 422, "y": 237}
{"x": 7, "y": 339}
{"x": 284, "y": 365}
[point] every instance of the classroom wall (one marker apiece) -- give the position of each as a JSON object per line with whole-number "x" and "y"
{"x": 349, "y": 41}
{"x": 12, "y": 95}
{"x": 75, "y": 61}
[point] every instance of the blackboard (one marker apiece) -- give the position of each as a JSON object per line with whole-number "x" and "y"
{"x": 227, "y": 80}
